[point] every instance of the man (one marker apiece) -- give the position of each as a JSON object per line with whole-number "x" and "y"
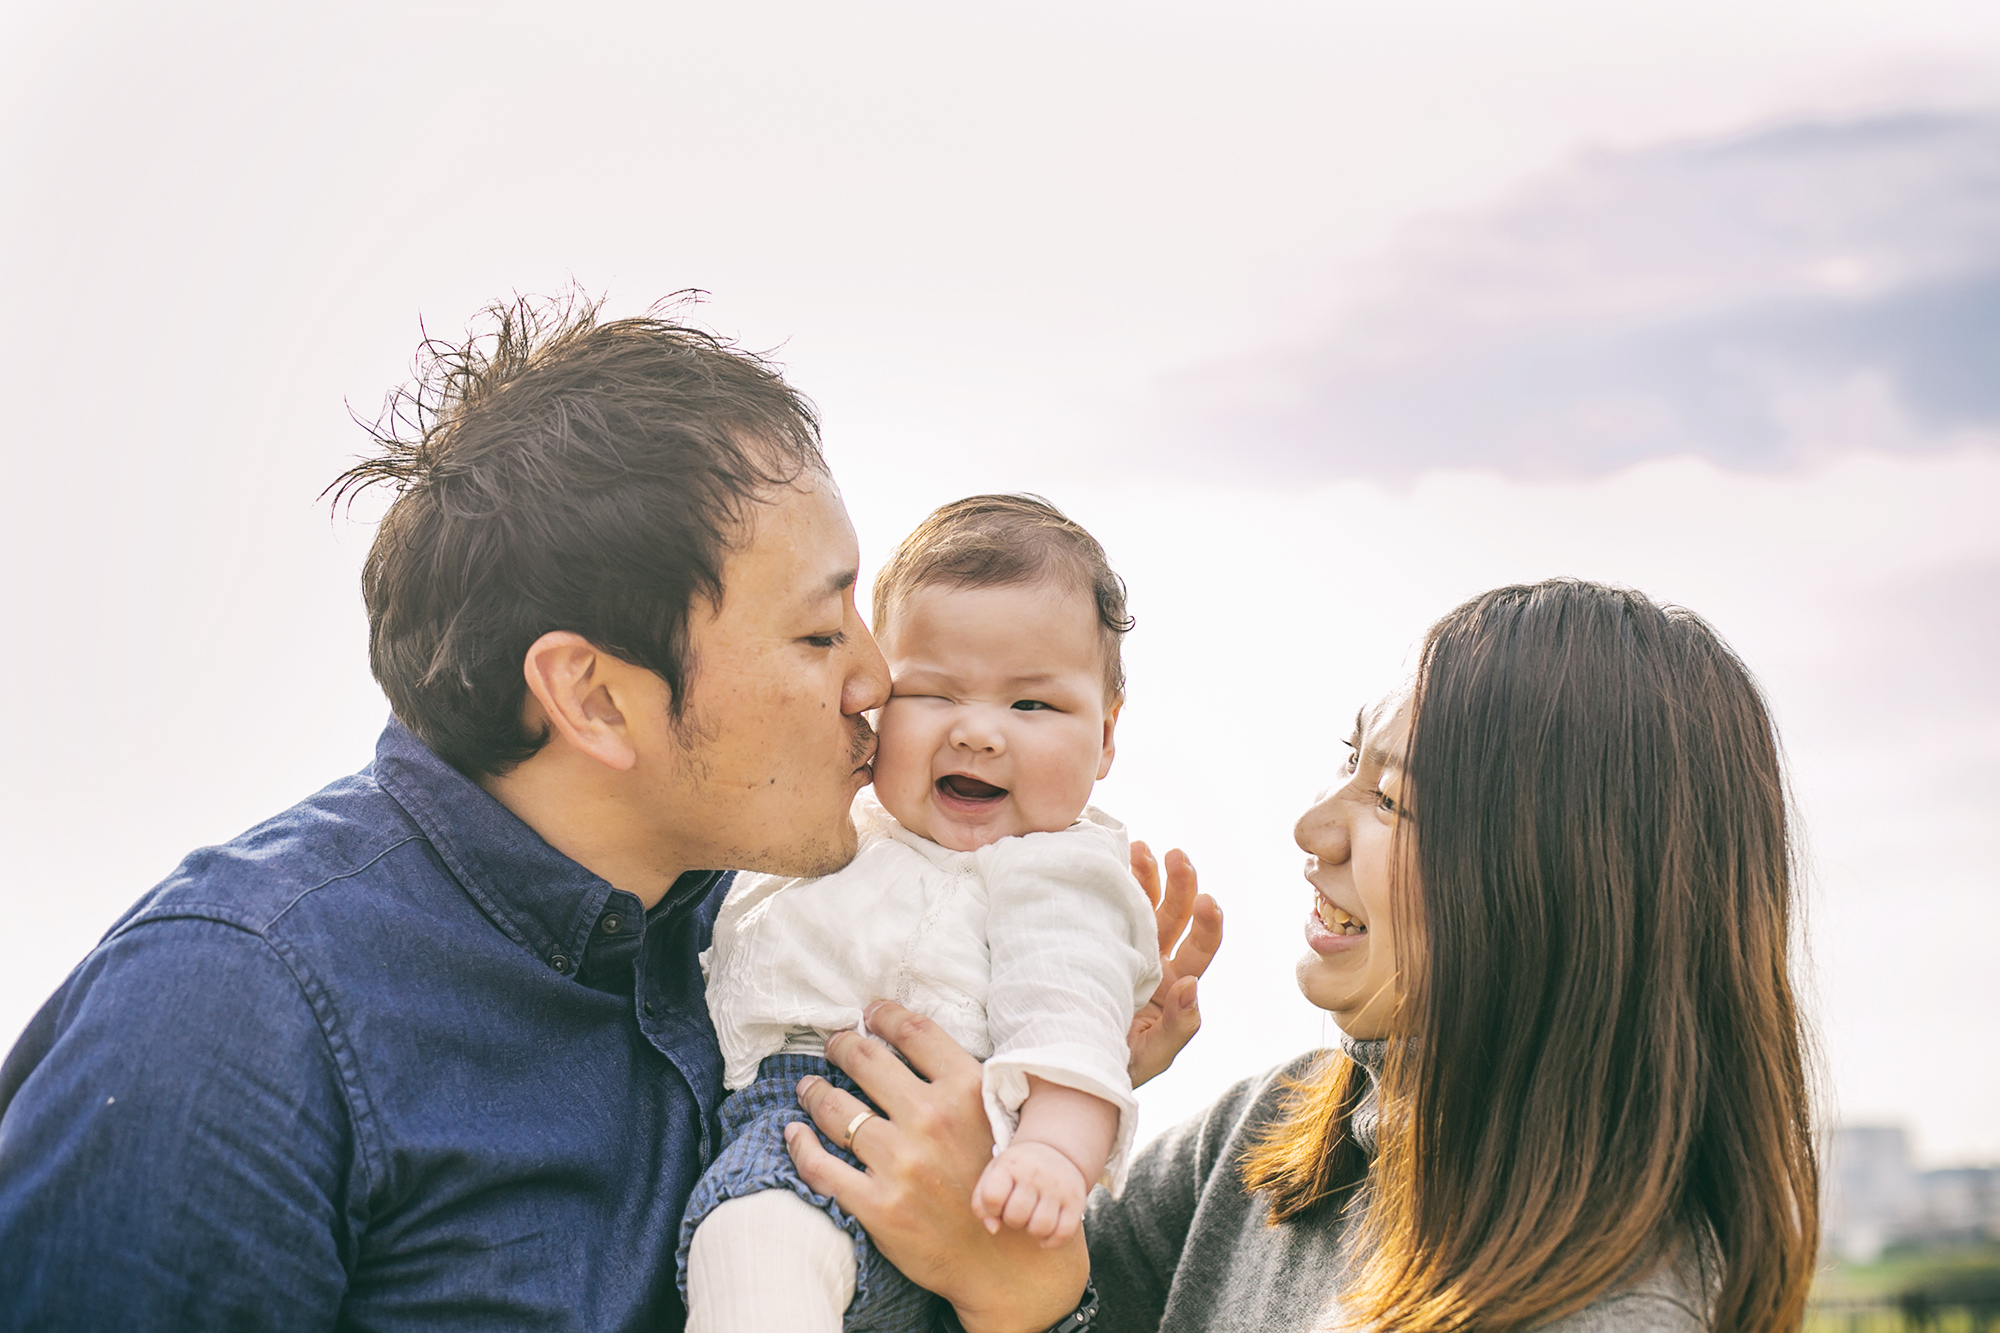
{"x": 429, "y": 1050}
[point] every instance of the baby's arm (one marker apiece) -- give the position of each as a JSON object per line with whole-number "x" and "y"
{"x": 1039, "y": 1181}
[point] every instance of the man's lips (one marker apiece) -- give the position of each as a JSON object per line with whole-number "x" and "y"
{"x": 865, "y": 745}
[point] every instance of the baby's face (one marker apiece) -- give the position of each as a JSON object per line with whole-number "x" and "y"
{"x": 997, "y": 723}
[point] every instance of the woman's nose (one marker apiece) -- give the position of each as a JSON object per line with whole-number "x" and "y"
{"x": 1321, "y": 831}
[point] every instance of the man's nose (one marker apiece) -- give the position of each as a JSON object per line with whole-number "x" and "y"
{"x": 868, "y": 680}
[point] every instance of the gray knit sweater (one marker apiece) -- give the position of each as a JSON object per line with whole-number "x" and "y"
{"x": 1186, "y": 1250}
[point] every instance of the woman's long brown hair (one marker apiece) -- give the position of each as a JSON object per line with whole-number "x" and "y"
{"x": 1605, "y": 1060}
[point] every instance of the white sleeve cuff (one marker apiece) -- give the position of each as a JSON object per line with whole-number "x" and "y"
{"x": 1005, "y": 1087}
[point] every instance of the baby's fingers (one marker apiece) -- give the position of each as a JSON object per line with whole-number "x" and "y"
{"x": 989, "y": 1196}
{"x": 1048, "y": 1213}
{"x": 1021, "y": 1205}
{"x": 1066, "y": 1224}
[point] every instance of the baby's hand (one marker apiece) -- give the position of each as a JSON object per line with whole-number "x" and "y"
{"x": 1032, "y": 1187}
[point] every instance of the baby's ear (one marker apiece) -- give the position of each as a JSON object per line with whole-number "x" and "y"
{"x": 1110, "y": 751}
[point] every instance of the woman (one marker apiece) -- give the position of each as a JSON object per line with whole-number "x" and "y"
{"x": 1551, "y": 910}
{"x": 1552, "y": 906}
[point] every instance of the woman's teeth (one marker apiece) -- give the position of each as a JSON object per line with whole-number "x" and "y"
{"x": 1339, "y": 922}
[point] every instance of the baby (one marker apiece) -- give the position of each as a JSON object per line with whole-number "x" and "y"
{"x": 986, "y": 894}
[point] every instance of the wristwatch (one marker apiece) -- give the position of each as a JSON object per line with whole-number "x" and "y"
{"x": 1085, "y": 1314}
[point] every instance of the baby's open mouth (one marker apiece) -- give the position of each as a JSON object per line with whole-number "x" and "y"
{"x": 963, "y": 788}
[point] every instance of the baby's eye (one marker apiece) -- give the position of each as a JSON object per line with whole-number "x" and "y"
{"x": 1030, "y": 705}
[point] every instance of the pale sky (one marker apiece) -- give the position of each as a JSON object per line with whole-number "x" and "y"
{"x": 1321, "y": 316}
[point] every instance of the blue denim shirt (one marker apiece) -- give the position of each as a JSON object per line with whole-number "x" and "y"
{"x": 388, "y": 1061}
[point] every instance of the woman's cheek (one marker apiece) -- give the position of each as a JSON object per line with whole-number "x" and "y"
{"x": 1371, "y": 877}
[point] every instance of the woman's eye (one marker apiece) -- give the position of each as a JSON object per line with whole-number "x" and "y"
{"x": 1385, "y": 802}
{"x": 1353, "y": 760}
{"x": 1030, "y": 705}
{"x": 833, "y": 640}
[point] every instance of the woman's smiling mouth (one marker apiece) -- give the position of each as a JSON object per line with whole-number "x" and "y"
{"x": 1331, "y": 927}
{"x": 1335, "y": 920}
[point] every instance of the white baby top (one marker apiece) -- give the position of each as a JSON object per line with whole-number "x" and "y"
{"x": 1033, "y": 952}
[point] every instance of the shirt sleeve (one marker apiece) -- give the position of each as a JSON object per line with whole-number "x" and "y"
{"x": 1074, "y": 954}
{"x": 175, "y": 1144}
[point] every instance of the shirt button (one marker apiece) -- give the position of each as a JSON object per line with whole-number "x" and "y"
{"x": 609, "y": 923}
{"x": 560, "y": 962}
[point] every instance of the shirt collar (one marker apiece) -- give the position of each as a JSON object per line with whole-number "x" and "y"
{"x": 539, "y": 898}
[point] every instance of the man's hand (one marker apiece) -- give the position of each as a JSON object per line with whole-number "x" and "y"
{"x": 924, "y": 1154}
{"x": 1170, "y": 1019}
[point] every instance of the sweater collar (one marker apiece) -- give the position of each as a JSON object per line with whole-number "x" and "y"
{"x": 1367, "y": 1117}
{"x": 1370, "y": 1055}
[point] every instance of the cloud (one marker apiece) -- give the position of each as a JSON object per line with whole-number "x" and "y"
{"x": 1757, "y": 300}
{"x": 1936, "y": 638}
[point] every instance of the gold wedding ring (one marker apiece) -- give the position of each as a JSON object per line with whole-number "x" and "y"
{"x": 854, "y": 1125}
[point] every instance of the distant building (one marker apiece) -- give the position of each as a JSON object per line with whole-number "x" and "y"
{"x": 1875, "y": 1198}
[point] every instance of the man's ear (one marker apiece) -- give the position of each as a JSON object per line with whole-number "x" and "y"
{"x": 575, "y": 687}
{"x": 1110, "y": 745}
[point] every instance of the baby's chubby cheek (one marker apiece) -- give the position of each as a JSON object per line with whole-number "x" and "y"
{"x": 902, "y": 773}
{"x": 1051, "y": 790}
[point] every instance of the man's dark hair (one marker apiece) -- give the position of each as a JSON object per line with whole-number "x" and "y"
{"x": 558, "y": 473}
{"x": 999, "y": 541}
